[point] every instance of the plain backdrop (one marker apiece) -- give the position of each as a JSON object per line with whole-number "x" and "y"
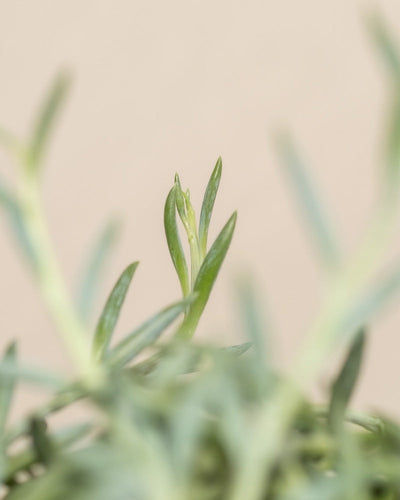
{"x": 167, "y": 86}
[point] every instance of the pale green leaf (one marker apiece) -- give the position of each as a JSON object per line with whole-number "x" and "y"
{"x": 46, "y": 119}
{"x": 174, "y": 242}
{"x": 312, "y": 208}
{"x": 344, "y": 384}
{"x": 7, "y": 386}
{"x": 208, "y": 205}
{"x": 110, "y": 314}
{"x": 90, "y": 282}
{"x": 206, "y": 277}
{"x": 147, "y": 333}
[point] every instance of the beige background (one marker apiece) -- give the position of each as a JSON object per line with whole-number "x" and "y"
{"x": 165, "y": 86}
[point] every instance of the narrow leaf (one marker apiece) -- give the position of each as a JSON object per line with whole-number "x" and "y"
{"x": 206, "y": 277}
{"x": 109, "y": 316}
{"x": 389, "y": 53}
{"x": 34, "y": 375}
{"x": 180, "y": 201}
{"x": 7, "y": 386}
{"x": 370, "y": 303}
{"x": 238, "y": 349}
{"x": 94, "y": 268}
{"x": 208, "y": 205}
{"x": 174, "y": 242}
{"x": 16, "y": 220}
{"x": 255, "y": 326}
{"x": 385, "y": 44}
{"x": 46, "y": 119}
{"x": 146, "y": 334}
{"x": 313, "y": 210}
{"x": 344, "y": 384}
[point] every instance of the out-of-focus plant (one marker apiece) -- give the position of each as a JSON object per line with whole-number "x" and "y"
{"x": 187, "y": 420}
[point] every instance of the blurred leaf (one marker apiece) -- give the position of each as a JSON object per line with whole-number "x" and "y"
{"x": 385, "y": 44}
{"x": 254, "y": 323}
{"x": 109, "y": 316}
{"x": 7, "y": 386}
{"x": 344, "y": 384}
{"x": 62, "y": 439}
{"x": 146, "y": 334}
{"x": 174, "y": 242}
{"x": 389, "y": 53}
{"x": 238, "y": 349}
{"x": 16, "y": 219}
{"x": 313, "y": 210}
{"x": 370, "y": 303}
{"x": 206, "y": 277}
{"x": 94, "y": 268}
{"x": 42, "y": 443}
{"x": 208, "y": 205}
{"x": 9, "y": 368}
{"x": 9, "y": 142}
{"x": 46, "y": 120}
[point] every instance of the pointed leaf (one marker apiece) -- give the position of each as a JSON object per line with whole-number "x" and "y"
{"x": 370, "y": 303}
{"x": 109, "y": 316}
{"x": 208, "y": 205}
{"x": 174, "y": 242}
{"x": 180, "y": 201}
{"x": 206, "y": 277}
{"x": 7, "y": 386}
{"x": 46, "y": 120}
{"x": 146, "y": 334}
{"x": 343, "y": 386}
{"x": 95, "y": 266}
{"x": 313, "y": 210}
{"x": 238, "y": 349}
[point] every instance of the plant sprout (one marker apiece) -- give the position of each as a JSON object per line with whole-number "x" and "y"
{"x": 175, "y": 419}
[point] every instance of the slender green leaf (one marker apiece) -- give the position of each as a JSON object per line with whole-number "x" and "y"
{"x": 344, "y": 384}
{"x": 370, "y": 303}
{"x": 147, "y": 333}
{"x": 94, "y": 268}
{"x": 46, "y": 120}
{"x": 253, "y": 321}
{"x": 392, "y": 149}
{"x": 180, "y": 201}
{"x": 16, "y": 220}
{"x": 34, "y": 375}
{"x": 384, "y": 42}
{"x": 238, "y": 349}
{"x": 174, "y": 242}
{"x": 109, "y": 316}
{"x": 389, "y": 53}
{"x": 208, "y": 205}
{"x": 313, "y": 210}
{"x": 206, "y": 277}
{"x": 7, "y": 386}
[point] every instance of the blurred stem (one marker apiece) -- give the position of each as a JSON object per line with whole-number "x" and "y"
{"x": 49, "y": 277}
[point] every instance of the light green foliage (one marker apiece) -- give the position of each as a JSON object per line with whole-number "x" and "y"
{"x": 175, "y": 419}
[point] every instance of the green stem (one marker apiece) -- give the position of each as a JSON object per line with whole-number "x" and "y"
{"x": 49, "y": 277}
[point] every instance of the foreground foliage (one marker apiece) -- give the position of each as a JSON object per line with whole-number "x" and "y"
{"x": 174, "y": 419}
